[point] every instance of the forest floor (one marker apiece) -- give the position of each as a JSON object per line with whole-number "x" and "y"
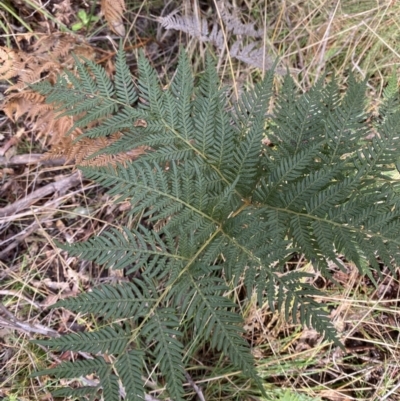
{"x": 46, "y": 199}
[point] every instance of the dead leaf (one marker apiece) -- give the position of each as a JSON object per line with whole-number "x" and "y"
{"x": 113, "y": 11}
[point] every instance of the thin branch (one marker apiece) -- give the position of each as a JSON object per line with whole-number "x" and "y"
{"x": 58, "y": 186}
{"x": 196, "y": 388}
{"x": 14, "y": 293}
{"x": 32, "y": 158}
{"x": 12, "y": 322}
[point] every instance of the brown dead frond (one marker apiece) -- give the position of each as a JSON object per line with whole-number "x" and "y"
{"x": 56, "y": 46}
{"x": 6, "y": 63}
{"x": 64, "y": 11}
{"x": 39, "y": 116}
{"x": 113, "y": 11}
{"x": 45, "y": 59}
{"x": 81, "y": 153}
{"x": 12, "y": 63}
{"x": 246, "y": 40}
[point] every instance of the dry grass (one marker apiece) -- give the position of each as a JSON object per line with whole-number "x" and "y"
{"x": 311, "y": 38}
{"x": 321, "y": 35}
{"x": 367, "y": 319}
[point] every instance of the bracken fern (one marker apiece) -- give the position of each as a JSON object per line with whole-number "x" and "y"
{"x": 219, "y": 209}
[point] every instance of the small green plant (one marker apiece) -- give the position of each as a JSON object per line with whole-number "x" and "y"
{"x": 220, "y": 208}
{"x": 84, "y": 20}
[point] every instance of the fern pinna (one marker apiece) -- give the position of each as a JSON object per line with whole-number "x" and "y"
{"x": 220, "y": 209}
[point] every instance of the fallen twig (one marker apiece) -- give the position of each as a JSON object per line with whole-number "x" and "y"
{"x": 31, "y": 159}
{"x": 12, "y": 322}
{"x": 58, "y": 186}
{"x": 196, "y": 388}
{"x": 14, "y": 293}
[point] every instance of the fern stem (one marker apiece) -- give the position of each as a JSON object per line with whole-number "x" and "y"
{"x": 204, "y": 157}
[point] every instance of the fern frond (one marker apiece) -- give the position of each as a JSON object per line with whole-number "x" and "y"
{"x": 109, "y": 383}
{"x": 253, "y": 53}
{"x": 9, "y": 66}
{"x": 224, "y": 210}
{"x": 129, "y": 369}
{"x": 127, "y": 300}
{"x": 234, "y": 24}
{"x": 182, "y": 90}
{"x": 214, "y": 318}
{"x": 298, "y": 120}
{"x": 161, "y": 329}
{"x": 77, "y": 393}
{"x": 111, "y": 339}
{"x": 345, "y": 126}
{"x": 190, "y": 24}
{"x": 96, "y": 97}
{"x": 76, "y": 369}
{"x": 113, "y": 12}
{"x": 391, "y": 99}
{"x": 298, "y": 303}
{"x": 125, "y": 90}
{"x": 382, "y": 151}
{"x": 149, "y": 87}
{"x": 117, "y": 249}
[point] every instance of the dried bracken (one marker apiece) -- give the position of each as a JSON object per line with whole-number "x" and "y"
{"x": 47, "y": 58}
{"x": 84, "y": 152}
{"x": 113, "y": 11}
{"x": 253, "y": 53}
{"x": 9, "y": 63}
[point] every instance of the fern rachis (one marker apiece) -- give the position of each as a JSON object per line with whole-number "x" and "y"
{"x": 231, "y": 209}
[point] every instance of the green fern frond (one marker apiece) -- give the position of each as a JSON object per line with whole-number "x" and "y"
{"x": 250, "y": 117}
{"x": 127, "y": 300}
{"x": 129, "y": 368}
{"x": 149, "y": 87}
{"x": 391, "y": 100}
{"x": 345, "y": 125}
{"x": 110, "y": 386}
{"x": 215, "y": 320}
{"x": 118, "y": 249}
{"x": 76, "y": 369}
{"x": 125, "y": 90}
{"x": 224, "y": 210}
{"x": 80, "y": 393}
{"x": 111, "y": 339}
{"x": 182, "y": 91}
{"x": 161, "y": 329}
